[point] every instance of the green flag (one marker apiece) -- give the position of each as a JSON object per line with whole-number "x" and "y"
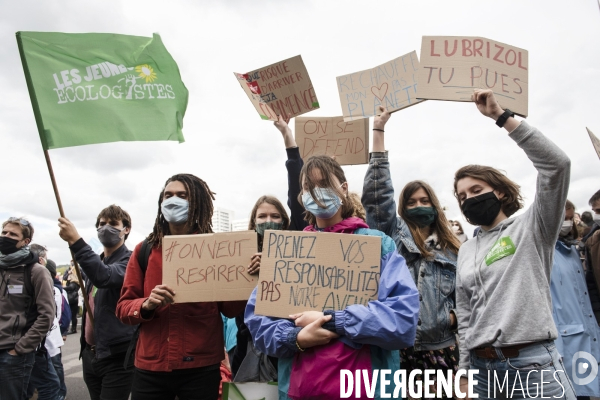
{"x": 89, "y": 88}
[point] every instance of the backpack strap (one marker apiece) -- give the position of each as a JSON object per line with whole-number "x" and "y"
{"x": 142, "y": 259}
{"x": 27, "y": 282}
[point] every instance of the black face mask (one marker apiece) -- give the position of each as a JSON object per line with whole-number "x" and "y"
{"x": 482, "y": 209}
{"x": 8, "y": 245}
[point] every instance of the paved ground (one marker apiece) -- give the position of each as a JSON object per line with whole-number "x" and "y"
{"x": 76, "y": 389}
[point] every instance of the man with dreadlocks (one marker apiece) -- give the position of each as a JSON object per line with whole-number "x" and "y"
{"x": 180, "y": 346}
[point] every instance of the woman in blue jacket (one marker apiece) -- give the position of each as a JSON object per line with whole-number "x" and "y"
{"x": 423, "y": 237}
{"x": 321, "y": 338}
{"x": 572, "y": 311}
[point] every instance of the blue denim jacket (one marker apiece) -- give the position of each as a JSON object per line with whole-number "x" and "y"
{"x": 435, "y": 279}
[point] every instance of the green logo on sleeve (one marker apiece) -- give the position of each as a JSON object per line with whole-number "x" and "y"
{"x": 502, "y": 248}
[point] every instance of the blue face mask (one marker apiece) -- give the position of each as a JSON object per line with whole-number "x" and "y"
{"x": 175, "y": 210}
{"x": 327, "y": 197}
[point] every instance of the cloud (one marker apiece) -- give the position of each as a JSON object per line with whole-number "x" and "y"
{"x": 242, "y": 157}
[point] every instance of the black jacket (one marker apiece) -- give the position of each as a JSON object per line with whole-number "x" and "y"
{"x": 107, "y": 275}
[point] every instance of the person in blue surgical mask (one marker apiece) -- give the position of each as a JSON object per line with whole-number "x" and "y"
{"x": 318, "y": 340}
{"x": 423, "y": 236}
{"x": 104, "y": 343}
{"x": 179, "y": 350}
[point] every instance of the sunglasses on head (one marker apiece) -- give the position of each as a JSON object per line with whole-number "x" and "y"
{"x": 19, "y": 220}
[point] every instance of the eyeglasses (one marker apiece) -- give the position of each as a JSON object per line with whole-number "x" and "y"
{"x": 19, "y": 220}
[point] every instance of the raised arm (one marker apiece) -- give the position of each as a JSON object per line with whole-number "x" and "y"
{"x": 552, "y": 164}
{"x": 378, "y": 192}
{"x": 294, "y": 165}
{"x": 101, "y": 275}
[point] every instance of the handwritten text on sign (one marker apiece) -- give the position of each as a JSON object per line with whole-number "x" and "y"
{"x": 316, "y": 271}
{"x": 392, "y": 85}
{"x": 453, "y": 66}
{"x": 331, "y": 136}
{"x": 209, "y": 267}
{"x": 283, "y": 88}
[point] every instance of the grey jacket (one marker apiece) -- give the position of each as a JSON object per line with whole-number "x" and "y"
{"x": 23, "y": 324}
{"x": 503, "y": 280}
{"x": 435, "y": 279}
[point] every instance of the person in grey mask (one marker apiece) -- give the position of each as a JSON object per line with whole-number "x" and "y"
{"x": 104, "y": 343}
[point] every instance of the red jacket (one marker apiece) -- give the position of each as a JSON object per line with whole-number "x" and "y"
{"x": 177, "y": 336}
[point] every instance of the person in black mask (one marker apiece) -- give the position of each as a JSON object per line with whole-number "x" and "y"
{"x": 104, "y": 344}
{"x": 26, "y": 306}
{"x": 503, "y": 300}
{"x": 423, "y": 237}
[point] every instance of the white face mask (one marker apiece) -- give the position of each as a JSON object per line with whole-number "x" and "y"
{"x": 566, "y": 228}
{"x": 597, "y": 218}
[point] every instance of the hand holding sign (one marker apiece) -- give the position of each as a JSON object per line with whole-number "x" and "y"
{"x": 160, "y": 296}
{"x": 486, "y": 103}
{"x": 306, "y": 318}
{"x": 315, "y": 335}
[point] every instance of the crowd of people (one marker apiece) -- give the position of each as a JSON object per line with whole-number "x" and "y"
{"x": 521, "y": 295}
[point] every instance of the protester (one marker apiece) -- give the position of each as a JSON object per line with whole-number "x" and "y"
{"x": 587, "y": 221}
{"x": 423, "y": 237}
{"x": 27, "y": 309}
{"x": 373, "y": 331}
{"x": 104, "y": 343}
{"x": 571, "y": 308}
{"x": 72, "y": 289}
{"x": 269, "y": 213}
{"x": 44, "y": 375}
{"x": 180, "y": 346}
{"x": 503, "y": 277}
{"x": 457, "y": 229}
{"x": 60, "y": 296}
{"x": 592, "y": 256}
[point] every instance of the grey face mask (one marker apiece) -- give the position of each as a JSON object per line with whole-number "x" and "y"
{"x": 109, "y": 236}
{"x": 175, "y": 210}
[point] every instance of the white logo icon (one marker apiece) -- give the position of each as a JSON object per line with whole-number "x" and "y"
{"x": 584, "y": 367}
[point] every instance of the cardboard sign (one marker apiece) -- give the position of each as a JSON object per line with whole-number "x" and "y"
{"x": 595, "y": 142}
{"x": 210, "y": 267}
{"x": 283, "y": 88}
{"x": 392, "y": 85}
{"x": 453, "y": 66}
{"x": 303, "y": 271}
{"x": 331, "y": 136}
{"x": 250, "y": 391}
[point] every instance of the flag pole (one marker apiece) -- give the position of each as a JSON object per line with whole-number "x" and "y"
{"x": 62, "y": 214}
{"x": 40, "y": 126}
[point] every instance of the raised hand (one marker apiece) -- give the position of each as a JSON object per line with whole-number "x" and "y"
{"x": 486, "y": 103}
{"x": 67, "y": 231}
{"x": 379, "y": 121}
{"x": 282, "y": 125}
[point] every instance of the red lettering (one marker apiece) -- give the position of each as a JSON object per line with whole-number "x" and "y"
{"x": 298, "y": 76}
{"x": 466, "y": 48}
{"x": 432, "y": 47}
{"x": 180, "y": 272}
{"x": 498, "y": 54}
{"x": 514, "y": 57}
{"x": 446, "y": 48}
{"x": 241, "y": 271}
{"x": 222, "y": 269}
{"x": 285, "y": 67}
{"x": 520, "y": 63}
{"x": 477, "y": 49}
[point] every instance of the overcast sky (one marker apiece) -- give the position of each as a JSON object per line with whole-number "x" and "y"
{"x": 242, "y": 157}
